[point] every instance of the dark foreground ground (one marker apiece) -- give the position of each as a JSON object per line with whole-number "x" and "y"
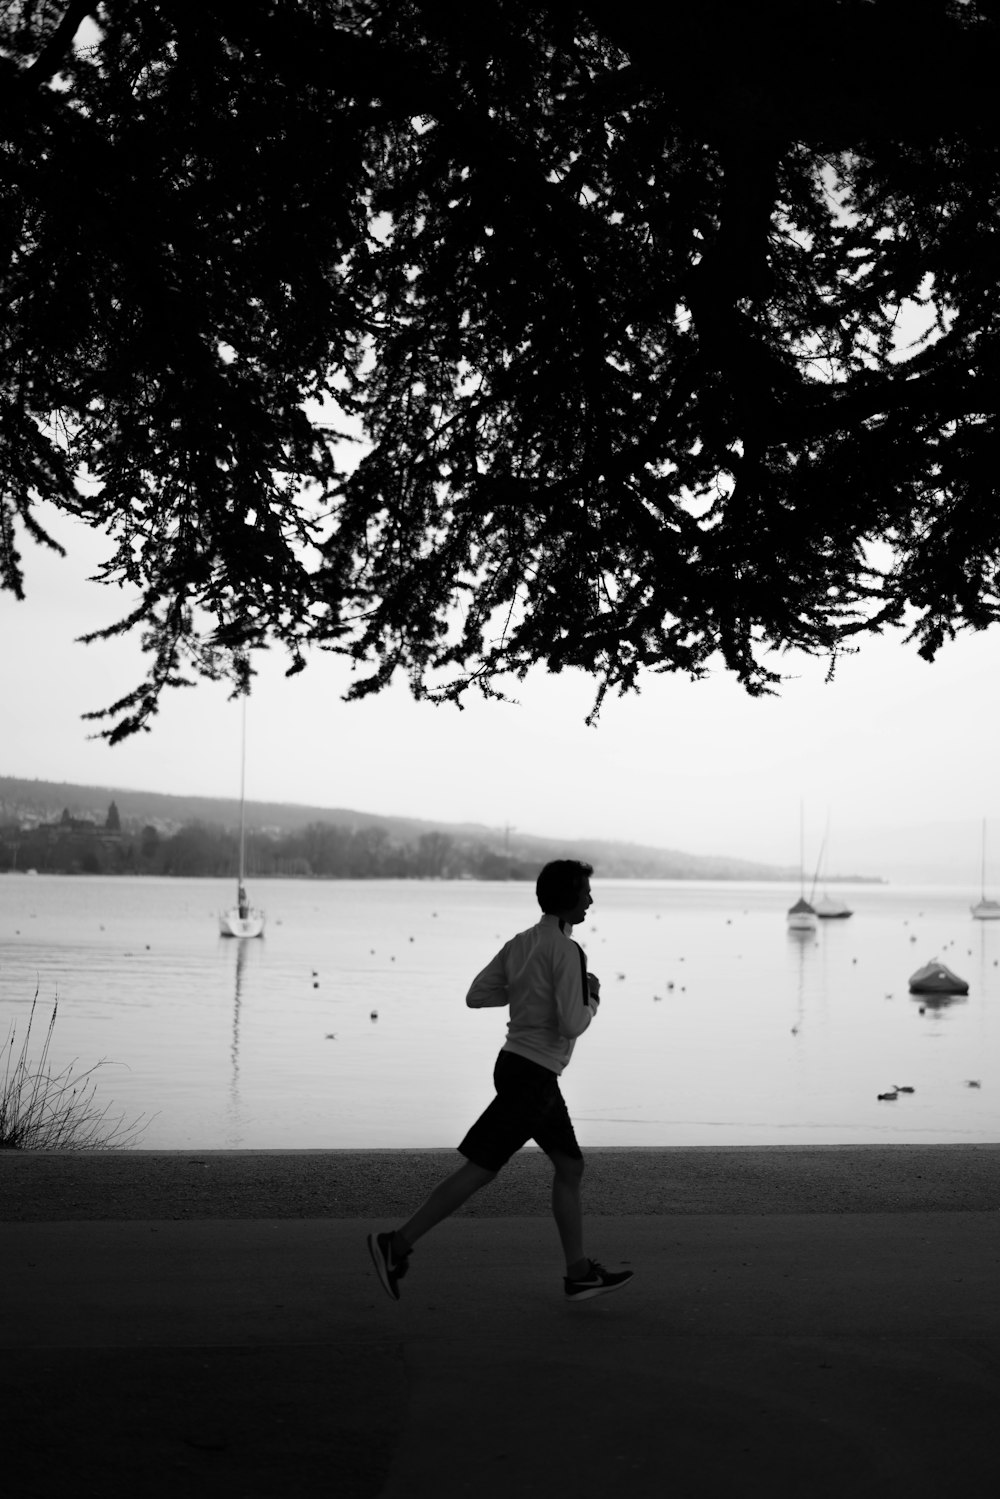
{"x": 803, "y": 1322}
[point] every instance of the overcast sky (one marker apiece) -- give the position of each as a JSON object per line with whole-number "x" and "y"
{"x": 892, "y": 745}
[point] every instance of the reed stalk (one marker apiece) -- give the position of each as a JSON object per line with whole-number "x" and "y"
{"x": 45, "y": 1109}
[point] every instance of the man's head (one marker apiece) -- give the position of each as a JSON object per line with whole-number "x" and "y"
{"x": 563, "y": 889}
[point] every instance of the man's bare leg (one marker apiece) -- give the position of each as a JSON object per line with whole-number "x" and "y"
{"x": 567, "y": 1209}
{"x": 446, "y": 1197}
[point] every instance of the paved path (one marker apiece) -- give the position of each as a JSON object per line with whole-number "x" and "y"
{"x": 815, "y": 1355}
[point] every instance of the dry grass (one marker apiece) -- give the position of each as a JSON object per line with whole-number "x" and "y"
{"x": 41, "y": 1109}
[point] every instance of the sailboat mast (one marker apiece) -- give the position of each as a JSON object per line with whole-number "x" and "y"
{"x": 819, "y": 861}
{"x": 982, "y": 873}
{"x": 243, "y": 775}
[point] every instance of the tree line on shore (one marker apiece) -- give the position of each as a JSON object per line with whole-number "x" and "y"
{"x": 320, "y": 851}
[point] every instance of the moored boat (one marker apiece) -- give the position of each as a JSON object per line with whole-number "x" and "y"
{"x": 937, "y": 978}
{"x": 828, "y": 908}
{"x": 985, "y": 909}
{"x": 801, "y": 916}
{"x": 242, "y": 919}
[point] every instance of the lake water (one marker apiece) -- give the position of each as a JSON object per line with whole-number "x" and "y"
{"x": 346, "y": 1027}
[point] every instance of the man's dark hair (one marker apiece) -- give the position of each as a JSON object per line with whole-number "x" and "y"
{"x": 559, "y": 883}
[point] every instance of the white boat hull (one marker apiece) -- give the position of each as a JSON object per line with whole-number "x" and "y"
{"x": 232, "y": 924}
{"x": 802, "y": 921}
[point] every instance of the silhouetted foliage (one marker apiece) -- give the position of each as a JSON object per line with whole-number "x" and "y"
{"x": 615, "y": 292}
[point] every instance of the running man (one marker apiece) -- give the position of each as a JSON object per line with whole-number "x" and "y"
{"x": 542, "y": 975}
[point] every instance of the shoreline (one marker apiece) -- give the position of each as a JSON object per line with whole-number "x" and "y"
{"x": 65, "y": 1186}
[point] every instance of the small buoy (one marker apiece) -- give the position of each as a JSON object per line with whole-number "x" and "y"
{"x": 973, "y": 1082}
{"x": 315, "y": 983}
{"x": 330, "y": 1036}
{"x": 374, "y": 1014}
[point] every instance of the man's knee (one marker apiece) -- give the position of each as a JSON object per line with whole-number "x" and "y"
{"x": 568, "y": 1168}
{"x": 472, "y": 1171}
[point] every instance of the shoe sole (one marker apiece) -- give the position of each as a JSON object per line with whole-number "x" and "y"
{"x": 381, "y": 1267}
{"x": 593, "y": 1291}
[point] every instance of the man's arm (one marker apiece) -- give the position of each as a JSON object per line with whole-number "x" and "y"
{"x": 575, "y": 1005}
{"x": 489, "y": 988}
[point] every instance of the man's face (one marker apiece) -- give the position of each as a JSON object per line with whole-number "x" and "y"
{"x": 584, "y": 901}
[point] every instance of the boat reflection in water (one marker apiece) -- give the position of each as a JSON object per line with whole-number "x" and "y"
{"x": 235, "y": 1135}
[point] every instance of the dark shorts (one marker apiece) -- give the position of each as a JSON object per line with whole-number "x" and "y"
{"x": 528, "y": 1106}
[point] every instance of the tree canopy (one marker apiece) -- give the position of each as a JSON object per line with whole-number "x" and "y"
{"x": 457, "y": 338}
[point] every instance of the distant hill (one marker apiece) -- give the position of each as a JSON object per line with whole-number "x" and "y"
{"x": 44, "y": 801}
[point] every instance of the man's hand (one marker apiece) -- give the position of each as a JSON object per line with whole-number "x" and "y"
{"x": 594, "y": 985}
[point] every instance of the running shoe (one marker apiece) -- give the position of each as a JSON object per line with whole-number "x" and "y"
{"x": 391, "y": 1267}
{"x": 596, "y": 1283}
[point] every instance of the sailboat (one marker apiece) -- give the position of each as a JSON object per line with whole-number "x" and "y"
{"x": 828, "y": 907}
{"x": 984, "y": 909}
{"x": 801, "y": 916}
{"x": 242, "y": 919}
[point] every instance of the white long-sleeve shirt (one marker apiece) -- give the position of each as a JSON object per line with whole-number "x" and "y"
{"x": 542, "y": 975}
